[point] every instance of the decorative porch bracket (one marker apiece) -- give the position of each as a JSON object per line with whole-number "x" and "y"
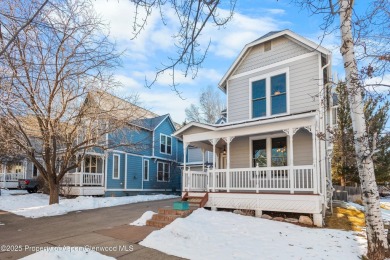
{"x": 185, "y": 173}
{"x": 228, "y": 141}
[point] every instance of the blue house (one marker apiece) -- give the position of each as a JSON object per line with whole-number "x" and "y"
{"x": 152, "y": 166}
{"x": 149, "y": 165}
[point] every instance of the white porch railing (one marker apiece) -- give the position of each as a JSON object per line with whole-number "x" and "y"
{"x": 286, "y": 178}
{"x": 83, "y": 179}
{"x": 5, "y": 177}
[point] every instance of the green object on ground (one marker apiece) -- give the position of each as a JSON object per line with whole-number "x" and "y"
{"x": 181, "y": 205}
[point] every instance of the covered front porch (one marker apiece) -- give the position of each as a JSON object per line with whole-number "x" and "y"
{"x": 270, "y": 165}
{"x": 11, "y": 172}
{"x": 88, "y": 179}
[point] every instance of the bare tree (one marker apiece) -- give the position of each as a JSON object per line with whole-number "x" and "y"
{"x": 21, "y": 19}
{"x": 209, "y": 108}
{"x": 193, "y": 16}
{"x": 364, "y": 45}
{"x": 54, "y": 106}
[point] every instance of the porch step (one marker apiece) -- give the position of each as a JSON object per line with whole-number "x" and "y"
{"x": 180, "y": 213}
{"x": 196, "y": 201}
{"x": 159, "y": 217}
{"x": 157, "y": 223}
{"x": 166, "y": 217}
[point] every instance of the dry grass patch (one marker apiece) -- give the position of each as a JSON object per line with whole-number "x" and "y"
{"x": 346, "y": 219}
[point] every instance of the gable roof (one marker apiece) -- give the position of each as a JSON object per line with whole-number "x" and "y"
{"x": 118, "y": 106}
{"x": 149, "y": 123}
{"x": 269, "y": 36}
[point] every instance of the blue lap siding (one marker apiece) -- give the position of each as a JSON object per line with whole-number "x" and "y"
{"x": 131, "y": 166}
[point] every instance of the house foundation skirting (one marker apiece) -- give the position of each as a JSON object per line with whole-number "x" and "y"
{"x": 296, "y": 203}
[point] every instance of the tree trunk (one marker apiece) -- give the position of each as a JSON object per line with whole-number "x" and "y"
{"x": 54, "y": 192}
{"x": 377, "y": 243}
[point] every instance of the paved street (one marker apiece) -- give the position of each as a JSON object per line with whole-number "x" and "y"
{"x": 104, "y": 227}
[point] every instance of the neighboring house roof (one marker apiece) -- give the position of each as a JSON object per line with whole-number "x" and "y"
{"x": 150, "y": 123}
{"x": 221, "y": 120}
{"x": 269, "y": 36}
{"x": 118, "y": 106}
{"x": 121, "y": 107}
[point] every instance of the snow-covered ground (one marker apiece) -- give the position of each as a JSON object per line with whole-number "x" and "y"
{"x": 53, "y": 253}
{"x": 385, "y": 202}
{"x": 36, "y": 205}
{"x": 142, "y": 220}
{"x": 222, "y": 235}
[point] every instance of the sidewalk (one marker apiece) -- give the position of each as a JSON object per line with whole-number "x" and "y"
{"x": 106, "y": 229}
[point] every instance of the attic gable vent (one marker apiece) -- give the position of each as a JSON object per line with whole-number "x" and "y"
{"x": 267, "y": 46}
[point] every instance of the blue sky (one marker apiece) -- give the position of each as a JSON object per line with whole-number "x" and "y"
{"x": 252, "y": 19}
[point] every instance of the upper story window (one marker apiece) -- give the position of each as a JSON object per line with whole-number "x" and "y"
{"x": 165, "y": 144}
{"x": 269, "y": 96}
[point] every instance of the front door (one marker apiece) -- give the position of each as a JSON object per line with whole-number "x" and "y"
{"x": 223, "y": 161}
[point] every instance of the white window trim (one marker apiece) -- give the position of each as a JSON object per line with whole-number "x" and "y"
{"x": 331, "y": 116}
{"x": 166, "y": 143}
{"x": 113, "y": 167}
{"x": 268, "y": 139}
{"x": 267, "y": 78}
{"x": 169, "y": 171}
{"x": 143, "y": 169}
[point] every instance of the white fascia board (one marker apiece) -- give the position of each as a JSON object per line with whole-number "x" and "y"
{"x": 184, "y": 128}
{"x": 273, "y": 124}
{"x": 295, "y": 36}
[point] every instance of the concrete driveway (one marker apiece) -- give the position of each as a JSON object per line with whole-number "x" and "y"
{"x": 104, "y": 228}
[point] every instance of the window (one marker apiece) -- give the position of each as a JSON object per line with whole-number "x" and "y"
{"x": 163, "y": 171}
{"x": 115, "y": 166}
{"x": 271, "y": 152}
{"x": 165, "y": 144}
{"x": 146, "y": 170}
{"x": 269, "y": 96}
{"x": 18, "y": 167}
{"x": 278, "y": 94}
{"x": 93, "y": 164}
{"x": 259, "y": 153}
{"x": 259, "y": 101}
{"x": 35, "y": 171}
{"x": 279, "y": 152}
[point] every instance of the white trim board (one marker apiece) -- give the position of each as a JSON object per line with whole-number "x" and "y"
{"x": 317, "y": 48}
{"x": 280, "y": 63}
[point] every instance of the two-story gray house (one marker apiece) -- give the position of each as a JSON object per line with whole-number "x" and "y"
{"x": 267, "y": 156}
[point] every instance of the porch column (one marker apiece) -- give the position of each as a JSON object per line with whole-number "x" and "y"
{"x": 82, "y": 172}
{"x": 203, "y": 157}
{"x": 24, "y": 168}
{"x": 228, "y": 140}
{"x": 185, "y": 175}
{"x": 214, "y": 143}
{"x": 3, "y": 171}
{"x": 291, "y": 132}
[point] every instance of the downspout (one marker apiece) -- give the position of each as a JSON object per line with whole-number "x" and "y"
{"x": 325, "y": 115}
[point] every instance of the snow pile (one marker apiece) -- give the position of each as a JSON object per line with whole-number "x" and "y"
{"x": 223, "y": 235}
{"x": 36, "y": 205}
{"x": 142, "y": 220}
{"x": 53, "y": 253}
